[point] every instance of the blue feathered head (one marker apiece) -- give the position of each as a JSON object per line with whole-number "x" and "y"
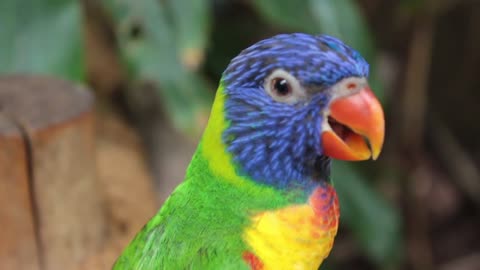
{"x": 294, "y": 100}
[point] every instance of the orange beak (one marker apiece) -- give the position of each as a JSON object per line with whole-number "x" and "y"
{"x": 355, "y": 127}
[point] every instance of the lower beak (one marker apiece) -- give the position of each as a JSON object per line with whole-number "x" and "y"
{"x": 355, "y": 127}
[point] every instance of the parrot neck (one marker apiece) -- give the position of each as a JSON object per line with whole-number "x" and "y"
{"x": 221, "y": 162}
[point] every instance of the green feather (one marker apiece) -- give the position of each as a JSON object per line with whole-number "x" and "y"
{"x": 200, "y": 225}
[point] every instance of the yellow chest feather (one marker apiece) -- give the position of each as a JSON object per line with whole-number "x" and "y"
{"x": 295, "y": 237}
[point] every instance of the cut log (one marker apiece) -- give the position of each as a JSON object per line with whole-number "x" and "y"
{"x": 56, "y": 126}
{"x": 18, "y": 249}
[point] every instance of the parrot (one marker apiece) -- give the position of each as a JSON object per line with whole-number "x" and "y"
{"x": 258, "y": 193}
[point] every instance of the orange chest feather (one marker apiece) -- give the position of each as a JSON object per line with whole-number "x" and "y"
{"x": 295, "y": 237}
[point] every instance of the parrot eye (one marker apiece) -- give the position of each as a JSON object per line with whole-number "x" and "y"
{"x": 283, "y": 87}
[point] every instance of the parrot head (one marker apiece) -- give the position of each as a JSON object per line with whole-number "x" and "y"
{"x": 294, "y": 101}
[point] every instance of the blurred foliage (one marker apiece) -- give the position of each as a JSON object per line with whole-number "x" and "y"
{"x": 165, "y": 43}
{"x": 42, "y": 37}
{"x": 373, "y": 221}
{"x": 159, "y": 49}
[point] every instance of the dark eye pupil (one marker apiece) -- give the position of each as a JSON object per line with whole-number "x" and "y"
{"x": 281, "y": 87}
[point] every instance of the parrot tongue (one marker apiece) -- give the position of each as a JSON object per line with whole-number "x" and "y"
{"x": 342, "y": 131}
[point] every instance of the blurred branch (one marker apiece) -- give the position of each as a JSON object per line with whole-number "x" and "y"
{"x": 413, "y": 129}
{"x": 418, "y": 67}
{"x": 105, "y": 71}
{"x": 439, "y": 7}
{"x": 419, "y": 243}
{"x": 456, "y": 161}
{"x": 471, "y": 261}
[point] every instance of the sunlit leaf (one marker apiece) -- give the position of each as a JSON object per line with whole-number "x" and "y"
{"x": 374, "y": 222}
{"x": 41, "y": 37}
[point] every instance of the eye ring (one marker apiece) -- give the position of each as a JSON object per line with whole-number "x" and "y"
{"x": 284, "y": 87}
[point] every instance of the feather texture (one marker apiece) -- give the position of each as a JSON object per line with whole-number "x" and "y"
{"x": 257, "y": 193}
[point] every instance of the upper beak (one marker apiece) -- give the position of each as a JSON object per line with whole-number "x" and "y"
{"x": 355, "y": 127}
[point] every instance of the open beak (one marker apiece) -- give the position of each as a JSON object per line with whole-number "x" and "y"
{"x": 355, "y": 127}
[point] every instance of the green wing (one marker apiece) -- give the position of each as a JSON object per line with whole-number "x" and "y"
{"x": 189, "y": 232}
{"x": 142, "y": 252}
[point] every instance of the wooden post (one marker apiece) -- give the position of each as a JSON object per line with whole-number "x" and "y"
{"x": 51, "y": 211}
{"x": 18, "y": 248}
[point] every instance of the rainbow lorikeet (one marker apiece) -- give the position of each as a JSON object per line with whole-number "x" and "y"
{"x": 257, "y": 193}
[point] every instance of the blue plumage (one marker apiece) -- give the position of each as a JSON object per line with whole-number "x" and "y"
{"x": 314, "y": 60}
{"x": 275, "y": 143}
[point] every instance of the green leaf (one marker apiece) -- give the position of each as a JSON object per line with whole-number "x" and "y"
{"x": 149, "y": 45}
{"x": 41, "y": 37}
{"x": 342, "y": 18}
{"x": 374, "y": 222}
{"x": 293, "y": 15}
{"x": 191, "y": 23}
